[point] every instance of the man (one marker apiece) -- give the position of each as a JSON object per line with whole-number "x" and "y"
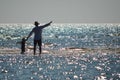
{"x": 37, "y": 30}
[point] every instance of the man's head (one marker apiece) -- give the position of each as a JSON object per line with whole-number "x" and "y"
{"x": 36, "y": 23}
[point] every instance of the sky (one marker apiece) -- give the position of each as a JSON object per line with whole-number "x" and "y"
{"x": 60, "y": 11}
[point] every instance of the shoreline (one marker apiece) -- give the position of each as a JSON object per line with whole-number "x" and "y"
{"x": 63, "y": 51}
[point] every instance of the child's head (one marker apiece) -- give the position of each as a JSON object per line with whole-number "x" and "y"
{"x": 23, "y": 39}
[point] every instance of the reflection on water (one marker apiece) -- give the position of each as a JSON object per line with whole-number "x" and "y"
{"x": 58, "y": 67}
{"x": 86, "y": 66}
{"x": 65, "y": 35}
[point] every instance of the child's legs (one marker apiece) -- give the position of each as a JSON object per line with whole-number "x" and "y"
{"x": 23, "y": 48}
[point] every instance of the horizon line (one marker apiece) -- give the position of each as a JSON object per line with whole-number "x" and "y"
{"x": 65, "y": 23}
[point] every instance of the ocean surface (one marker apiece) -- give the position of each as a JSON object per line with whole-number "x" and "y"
{"x": 81, "y": 66}
{"x": 64, "y": 35}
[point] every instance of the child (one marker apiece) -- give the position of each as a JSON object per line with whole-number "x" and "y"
{"x": 23, "y": 45}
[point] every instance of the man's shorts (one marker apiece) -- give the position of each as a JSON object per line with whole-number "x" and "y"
{"x": 39, "y": 42}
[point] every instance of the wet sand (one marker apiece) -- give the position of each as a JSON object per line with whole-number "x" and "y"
{"x": 62, "y": 51}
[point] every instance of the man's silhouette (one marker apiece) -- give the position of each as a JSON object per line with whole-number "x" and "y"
{"x": 37, "y": 30}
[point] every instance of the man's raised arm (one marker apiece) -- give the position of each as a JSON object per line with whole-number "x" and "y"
{"x": 48, "y": 24}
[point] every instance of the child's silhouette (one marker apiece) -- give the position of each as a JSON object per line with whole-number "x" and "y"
{"x": 22, "y": 43}
{"x": 23, "y": 46}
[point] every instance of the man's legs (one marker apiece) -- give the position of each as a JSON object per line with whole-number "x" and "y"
{"x": 40, "y": 50}
{"x": 35, "y": 43}
{"x": 40, "y": 46}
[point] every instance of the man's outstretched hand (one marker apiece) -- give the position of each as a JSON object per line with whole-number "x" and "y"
{"x": 50, "y": 22}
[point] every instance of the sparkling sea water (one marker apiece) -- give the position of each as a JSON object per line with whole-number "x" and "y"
{"x": 64, "y": 35}
{"x": 81, "y": 66}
